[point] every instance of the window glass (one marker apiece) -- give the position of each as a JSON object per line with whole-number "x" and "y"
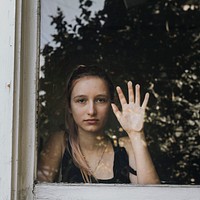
{"x": 152, "y": 43}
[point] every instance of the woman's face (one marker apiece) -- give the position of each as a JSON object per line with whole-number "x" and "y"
{"x": 90, "y": 104}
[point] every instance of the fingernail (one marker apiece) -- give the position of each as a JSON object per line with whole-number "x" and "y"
{"x": 130, "y": 82}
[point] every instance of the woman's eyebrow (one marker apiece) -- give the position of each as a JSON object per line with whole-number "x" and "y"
{"x": 85, "y": 96}
{"x": 79, "y": 96}
{"x": 102, "y": 95}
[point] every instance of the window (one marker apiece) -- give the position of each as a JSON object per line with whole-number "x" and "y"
{"x": 146, "y": 43}
{"x": 19, "y": 54}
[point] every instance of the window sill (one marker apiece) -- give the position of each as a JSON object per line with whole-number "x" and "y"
{"x": 115, "y": 192}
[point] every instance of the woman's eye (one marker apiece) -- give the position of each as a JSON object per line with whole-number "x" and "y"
{"x": 81, "y": 101}
{"x": 101, "y": 100}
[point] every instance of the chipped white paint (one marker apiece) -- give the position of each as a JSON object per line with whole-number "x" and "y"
{"x": 18, "y": 72}
{"x": 29, "y": 49}
{"x": 115, "y": 192}
{"x": 7, "y": 37}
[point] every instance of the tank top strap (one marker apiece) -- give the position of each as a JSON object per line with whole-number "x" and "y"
{"x": 121, "y": 160}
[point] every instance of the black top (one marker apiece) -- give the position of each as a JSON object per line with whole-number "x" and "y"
{"x": 121, "y": 168}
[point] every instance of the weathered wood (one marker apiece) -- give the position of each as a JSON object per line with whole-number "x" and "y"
{"x": 7, "y": 41}
{"x": 115, "y": 192}
{"x": 27, "y": 150}
{"x": 19, "y": 58}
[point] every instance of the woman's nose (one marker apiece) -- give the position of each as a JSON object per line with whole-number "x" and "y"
{"x": 91, "y": 108}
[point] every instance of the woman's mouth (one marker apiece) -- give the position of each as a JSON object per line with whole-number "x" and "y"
{"x": 91, "y": 121}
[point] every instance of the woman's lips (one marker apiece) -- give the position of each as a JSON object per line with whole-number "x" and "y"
{"x": 91, "y": 121}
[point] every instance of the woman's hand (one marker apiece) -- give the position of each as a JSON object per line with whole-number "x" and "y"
{"x": 132, "y": 115}
{"x": 131, "y": 119}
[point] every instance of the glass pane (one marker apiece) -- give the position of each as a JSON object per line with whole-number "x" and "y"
{"x": 152, "y": 43}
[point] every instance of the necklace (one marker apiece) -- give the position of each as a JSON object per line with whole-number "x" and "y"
{"x": 99, "y": 161}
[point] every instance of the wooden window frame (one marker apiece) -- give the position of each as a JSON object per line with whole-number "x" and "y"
{"x": 19, "y": 61}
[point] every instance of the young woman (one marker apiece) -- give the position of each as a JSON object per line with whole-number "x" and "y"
{"x": 84, "y": 153}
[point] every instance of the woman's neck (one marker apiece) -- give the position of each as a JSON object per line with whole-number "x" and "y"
{"x": 91, "y": 141}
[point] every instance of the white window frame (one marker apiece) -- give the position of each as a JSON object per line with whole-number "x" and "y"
{"x": 19, "y": 61}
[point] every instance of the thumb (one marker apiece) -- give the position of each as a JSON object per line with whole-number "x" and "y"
{"x": 116, "y": 110}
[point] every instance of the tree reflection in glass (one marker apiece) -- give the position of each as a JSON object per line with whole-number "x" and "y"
{"x": 154, "y": 44}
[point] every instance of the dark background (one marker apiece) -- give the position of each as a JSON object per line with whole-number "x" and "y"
{"x": 155, "y": 43}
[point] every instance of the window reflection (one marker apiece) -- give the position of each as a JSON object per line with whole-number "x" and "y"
{"x": 154, "y": 44}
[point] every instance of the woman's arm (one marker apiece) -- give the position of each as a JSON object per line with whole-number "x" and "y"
{"x": 50, "y": 158}
{"x": 131, "y": 119}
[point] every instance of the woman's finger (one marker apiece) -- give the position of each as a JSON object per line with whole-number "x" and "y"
{"x": 137, "y": 94}
{"x": 121, "y": 96}
{"x": 130, "y": 92}
{"x": 116, "y": 110}
{"x": 146, "y": 99}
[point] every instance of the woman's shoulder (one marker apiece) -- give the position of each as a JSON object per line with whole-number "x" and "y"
{"x": 50, "y": 156}
{"x": 126, "y": 143}
{"x": 58, "y": 135}
{"x": 58, "y": 138}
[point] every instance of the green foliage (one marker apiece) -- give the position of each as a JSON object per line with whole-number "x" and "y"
{"x": 155, "y": 44}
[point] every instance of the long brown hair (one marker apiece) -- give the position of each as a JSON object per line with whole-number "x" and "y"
{"x": 77, "y": 155}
